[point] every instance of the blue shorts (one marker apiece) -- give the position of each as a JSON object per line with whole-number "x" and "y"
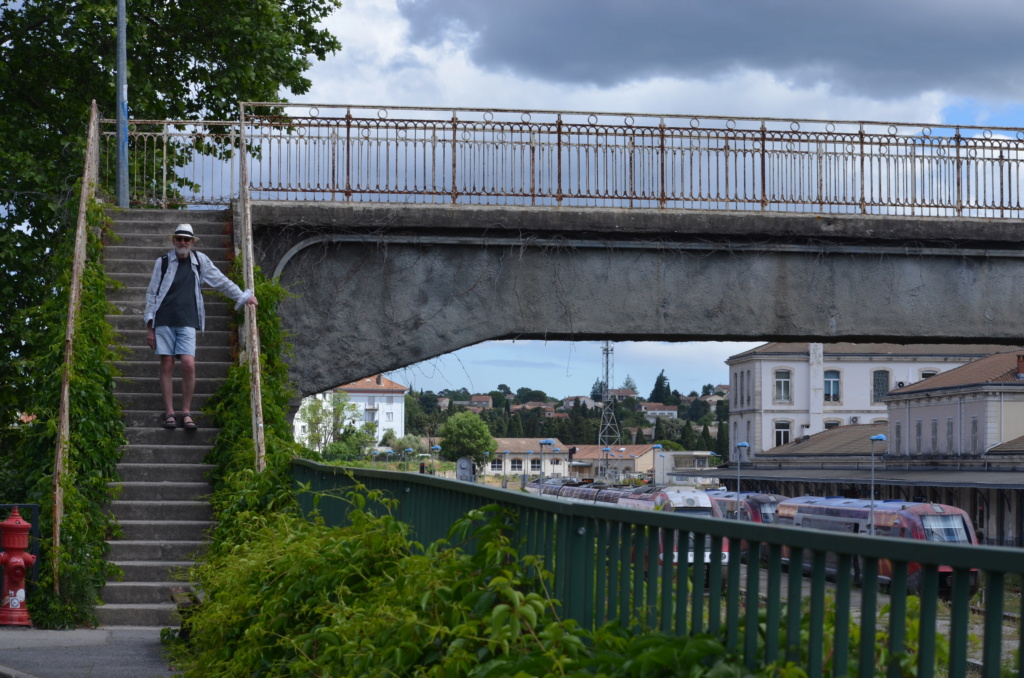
{"x": 176, "y": 341}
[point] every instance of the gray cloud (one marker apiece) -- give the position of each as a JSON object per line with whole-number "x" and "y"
{"x": 882, "y": 49}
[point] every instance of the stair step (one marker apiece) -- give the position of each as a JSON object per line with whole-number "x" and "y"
{"x": 169, "y": 491}
{"x": 205, "y": 352}
{"x": 133, "y": 321}
{"x": 125, "y": 549}
{"x": 149, "y": 369}
{"x": 160, "y": 510}
{"x": 131, "y": 301}
{"x": 164, "y": 454}
{"x": 166, "y": 530}
{"x": 156, "y": 219}
{"x": 152, "y": 417}
{"x": 155, "y": 402}
{"x": 160, "y": 473}
{"x": 149, "y": 614}
{"x": 154, "y": 570}
{"x": 152, "y": 434}
{"x": 138, "y": 592}
{"x": 150, "y": 383}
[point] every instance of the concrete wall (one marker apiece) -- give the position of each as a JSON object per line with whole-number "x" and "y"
{"x": 378, "y": 287}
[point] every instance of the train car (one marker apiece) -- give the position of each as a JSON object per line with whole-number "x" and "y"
{"x": 670, "y": 498}
{"x": 892, "y": 518}
{"x": 754, "y": 507}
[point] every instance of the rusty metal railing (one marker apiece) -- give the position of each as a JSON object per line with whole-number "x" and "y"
{"x": 623, "y": 160}
{"x": 574, "y": 159}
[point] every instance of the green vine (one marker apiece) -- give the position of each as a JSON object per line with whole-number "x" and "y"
{"x": 97, "y": 433}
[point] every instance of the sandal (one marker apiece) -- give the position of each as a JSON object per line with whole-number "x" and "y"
{"x": 187, "y": 422}
{"x": 170, "y": 420}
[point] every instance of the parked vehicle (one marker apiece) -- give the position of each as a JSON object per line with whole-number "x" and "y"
{"x": 893, "y": 518}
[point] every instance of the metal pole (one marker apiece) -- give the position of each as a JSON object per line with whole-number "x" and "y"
{"x": 122, "y": 106}
{"x": 871, "y": 511}
{"x": 739, "y": 465}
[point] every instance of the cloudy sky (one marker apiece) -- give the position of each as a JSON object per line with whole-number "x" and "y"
{"x": 920, "y": 61}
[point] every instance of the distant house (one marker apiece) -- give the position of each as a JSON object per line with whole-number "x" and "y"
{"x": 484, "y": 402}
{"x": 377, "y": 399}
{"x": 380, "y": 401}
{"x": 443, "y": 403}
{"x": 652, "y": 411}
{"x": 589, "y": 403}
{"x": 619, "y": 394}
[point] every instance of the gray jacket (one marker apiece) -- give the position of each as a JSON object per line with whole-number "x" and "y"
{"x": 210, "y": 276}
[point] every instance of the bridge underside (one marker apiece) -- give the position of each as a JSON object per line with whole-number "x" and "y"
{"x": 378, "y": 287}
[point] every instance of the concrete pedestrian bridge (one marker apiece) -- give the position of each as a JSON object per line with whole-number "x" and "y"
{"x": 406, "y": 234}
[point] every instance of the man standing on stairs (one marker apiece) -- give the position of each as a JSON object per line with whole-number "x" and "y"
{"x": 174, "y": 311}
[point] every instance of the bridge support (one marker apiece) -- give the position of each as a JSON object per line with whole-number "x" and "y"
{"x": 378, "y": 287}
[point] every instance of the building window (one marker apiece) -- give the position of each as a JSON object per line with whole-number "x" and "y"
{"x": 829, "y": 425}
{"x": 555, "y": 462}
{"x": 898, "y": 436}
{"x": 389, "y": 416}
{"x": 782, "y": 384}
{"x": 497, "y": 465}
{"x": 305, "y": 429}
{"x": 389, "y": 400}
{"x": 831, "y": 386}
{"x": 974, "y": 435}
{"x": 935, "y": 436}
{"x": 750, "y": 388}
{"x": 371, "y": 401}
{"x": 369, "y": 416}
{"x": 516, "y": 465}
{"x": 781, "y": 433}
{"x": 747, "y": 439}
{"x": 879, "y": 385}
{"x": 917, "y": 437}
{"x": 742, "y": 390}
{"x": 928, "y": 373}
{"x": 949, "y": 436}
{"x": 535, "y": 464}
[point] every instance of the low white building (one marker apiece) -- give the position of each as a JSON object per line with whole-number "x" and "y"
{"x": 783, "y": 391}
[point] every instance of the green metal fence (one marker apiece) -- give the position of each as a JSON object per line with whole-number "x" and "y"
{"x": 606, "y": 566}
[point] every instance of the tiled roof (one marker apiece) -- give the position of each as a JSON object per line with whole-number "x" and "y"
{"x": 522, "y": 445}
{"x": 595, "y": 451}
{"x": 1000, "y": 368}
{"x": 375, "y": 383}
{"x": 841, "y": 440}
{"x": 851, "y": 349}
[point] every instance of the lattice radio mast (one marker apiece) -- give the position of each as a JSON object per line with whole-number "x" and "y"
{"x": 609, "y": 434}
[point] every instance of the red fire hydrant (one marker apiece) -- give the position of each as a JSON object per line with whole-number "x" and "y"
{"x": 14, "y": 563}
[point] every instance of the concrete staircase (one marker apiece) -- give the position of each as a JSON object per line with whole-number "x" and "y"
{"x": 163, "y": 509}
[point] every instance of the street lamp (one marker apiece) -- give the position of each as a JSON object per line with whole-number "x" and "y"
{"x": 408, "y": 452}
{"x": 871, "y": 513}
{"x": 436, "y": 449}
{"x": 740, "y": 448}
{"x": 542, "y": 443}
{"x": 654, "y": 463}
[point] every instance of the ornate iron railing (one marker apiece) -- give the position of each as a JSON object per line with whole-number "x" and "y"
{"x": 572, "y": 159}
{"x": 597, "y": 556}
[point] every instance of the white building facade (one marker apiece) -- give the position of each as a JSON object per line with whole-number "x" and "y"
{"x": 783, "y": 391}
{"x": 377, "y": 399}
